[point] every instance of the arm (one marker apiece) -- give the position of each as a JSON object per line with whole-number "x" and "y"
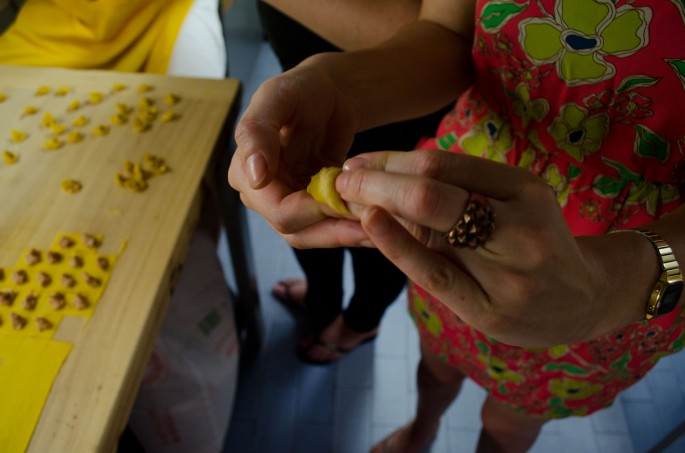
{"x": 339, "y": 94}
{"x": 398, "y": 80}
{"x": 351, "y": 24}
{"x": 306, "y": 118}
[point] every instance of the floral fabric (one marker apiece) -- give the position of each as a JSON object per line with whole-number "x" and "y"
{"x": 588, "y": 95}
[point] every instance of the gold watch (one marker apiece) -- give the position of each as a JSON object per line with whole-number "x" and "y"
{"x": 669, "y": 287}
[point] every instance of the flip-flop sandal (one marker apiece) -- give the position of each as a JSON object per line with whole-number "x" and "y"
{"x": 386, "y": 444}
{"x": 286, "y": 296}
{"x": 335, "y": 349}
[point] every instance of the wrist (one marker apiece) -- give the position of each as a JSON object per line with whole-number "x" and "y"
{"x": 668, "y": 288}
{"x": 625, "y": 268}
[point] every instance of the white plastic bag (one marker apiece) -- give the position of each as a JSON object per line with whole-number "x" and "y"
{"x": 186, "y": 397}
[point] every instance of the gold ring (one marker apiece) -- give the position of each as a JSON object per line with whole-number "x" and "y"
{"x": 474, "y": 227}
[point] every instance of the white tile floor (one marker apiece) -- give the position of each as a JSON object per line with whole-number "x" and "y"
{"x": 285, "y": 406}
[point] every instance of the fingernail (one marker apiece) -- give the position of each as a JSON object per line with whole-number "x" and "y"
{"x": 354, "y": 163}
{"x": 256, "y": 169}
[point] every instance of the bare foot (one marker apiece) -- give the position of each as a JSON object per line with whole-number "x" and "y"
{"x": 408, "y": 439}
{"x": 291, "y": 292}
{"x": 333, "y": 342}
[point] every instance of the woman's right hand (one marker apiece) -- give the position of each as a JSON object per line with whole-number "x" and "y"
{"x": 295, "y": 124}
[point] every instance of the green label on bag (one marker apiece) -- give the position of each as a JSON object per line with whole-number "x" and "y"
{"x": 209, "y": 322}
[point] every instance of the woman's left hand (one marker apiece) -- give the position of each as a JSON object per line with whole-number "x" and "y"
{"x": 531, "y": 284}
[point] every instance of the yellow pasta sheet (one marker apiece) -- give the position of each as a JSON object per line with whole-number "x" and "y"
{"x": 28, "y": 367}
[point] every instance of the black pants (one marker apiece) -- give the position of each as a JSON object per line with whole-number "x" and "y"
{"x": 377, "y": 281}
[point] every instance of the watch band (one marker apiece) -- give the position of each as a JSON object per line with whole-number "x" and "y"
{"x": 670, "y": 275}
{"x": 668, "y": 262}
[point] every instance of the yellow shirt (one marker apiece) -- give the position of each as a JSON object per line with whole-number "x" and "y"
{"x": 122, "y": 35}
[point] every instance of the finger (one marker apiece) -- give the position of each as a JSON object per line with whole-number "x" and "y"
{"x": 471, "y": 173}
{"x": 330, "y": 233}
{"x": 259, "y": 134}
{"x": 424, "y": 201}
{"x": 288, "y": 211}
{"x": 429, "y": 269}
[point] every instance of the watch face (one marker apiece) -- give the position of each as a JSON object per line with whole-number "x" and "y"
{"x": 669, "y": 298}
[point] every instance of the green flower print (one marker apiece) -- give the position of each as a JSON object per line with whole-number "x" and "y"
{"x": 558, "y": 351}
{"x": 527, "y": 159}
{"x": 641, "y": 192}
{"x": 490, "y": 138}
{"x": 527, "y": 108}
{"x": 591, "y": 209}
{"x": 577, "y": 133}
{"x": 559, "y": 183}
{"x": 430, "y": 320}
{"x": 581, "y": 34}
{"x": 497, "y": 369}
{"x": 571, "y": 389}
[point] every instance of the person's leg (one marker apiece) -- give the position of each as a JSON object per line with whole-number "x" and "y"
{"x": 438, "y": 385}
{"x": 506, "y": 431}
{"x": 321, "y": 292}
{"x": 324, "y": 273}
{"x": 292, "y": 42}
{"x": 377, "y": 283}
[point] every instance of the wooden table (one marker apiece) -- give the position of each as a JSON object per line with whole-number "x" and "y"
{"x": 91, "y": 398}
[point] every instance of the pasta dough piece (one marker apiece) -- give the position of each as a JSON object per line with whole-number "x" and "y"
{"x": 172, "y": 99}
{"x": 9, "y": 157}
{"x": 118, "y": 119}
{"x": 62, "y": 91}
{"x": 136, "y": 175}
{"x": 168, "y": 116}
{"x": 74, "y": 137}
{"x": 124, "y": 109}
{"x": 101, "y": 130}
{"x": 74, "y": 105}
{"x": 322, "y": 188}
{"x": 140, "y": 125}
{"x": 52, "y": 143}
{"x": 18, "y": 136}
{"x": 80, "y": 121}
{"x": 48, "y": 120}
{"x": 155, "y": 164}
{"x": 95, "y": 97}
{"x": 71, "y": 186}
{"x": 57, "y": 128}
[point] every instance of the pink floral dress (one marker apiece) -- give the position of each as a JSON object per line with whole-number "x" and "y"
{"x": 589, "y": 95}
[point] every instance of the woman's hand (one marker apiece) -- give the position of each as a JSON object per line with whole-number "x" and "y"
{"x": 306, "y": 118}
{"x": 531, "y": 284}
{"x": 296, "y": 124}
